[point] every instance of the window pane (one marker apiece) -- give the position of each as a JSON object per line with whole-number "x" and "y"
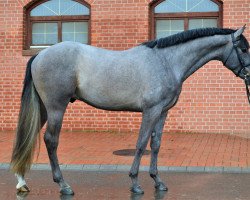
{"x": 51, "y": 28}
{"x": 38, "y": 38}
{"x": 68, "y": 37}
{"x": 210, "y": 23}
{"x": 44, "y": 33}
{"x": 69, "y": 8}
{"x": 168, "y": 27}
{"x": 171, "y": 6}
{"x": 202, "y": 6}
{"x": 59, "y": 7}
{"x": 49, "y": 8}
{"x": 175, "y": 6}
{"x": 81, "y": 37}
{"x": 202, "y": 23}
{"x": 51, "y": 39}
{"x": 68, "y": 27}
{"x": 75, "y": 31}
{"x": 81, "y": 27}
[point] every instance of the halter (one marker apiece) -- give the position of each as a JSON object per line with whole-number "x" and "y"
{"x": 242, "y": 63}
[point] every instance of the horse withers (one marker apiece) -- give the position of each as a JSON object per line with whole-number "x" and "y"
{"x": 147, "y": 78}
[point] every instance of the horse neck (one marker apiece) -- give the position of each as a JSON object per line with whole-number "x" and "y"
{"x": 188, "y": 57}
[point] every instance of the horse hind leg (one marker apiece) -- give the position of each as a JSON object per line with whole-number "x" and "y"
{"x": 51, "y": 138}
{"x": 21, "y": 185}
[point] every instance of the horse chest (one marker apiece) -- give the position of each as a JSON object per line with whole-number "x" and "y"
{"x": 172, "y": 98}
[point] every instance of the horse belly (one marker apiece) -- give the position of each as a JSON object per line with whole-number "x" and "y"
{"x": 109, "y": 80}
{"x": 108, "y": 98}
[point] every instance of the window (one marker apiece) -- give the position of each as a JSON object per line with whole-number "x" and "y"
{"x": 53, "y": 21}
{"x": 173, "y": 16}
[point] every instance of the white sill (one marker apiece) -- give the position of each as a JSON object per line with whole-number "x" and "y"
{"x": 39, "y": 47}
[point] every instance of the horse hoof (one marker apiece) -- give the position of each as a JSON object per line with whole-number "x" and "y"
{"x": 161, "y": 187}
{"x": 67, "y": 191}
{"x": 136, "y": 189}
{"x": 22, "y": 189}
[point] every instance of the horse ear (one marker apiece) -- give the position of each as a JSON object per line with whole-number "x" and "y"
{"x": 239, "y": 32}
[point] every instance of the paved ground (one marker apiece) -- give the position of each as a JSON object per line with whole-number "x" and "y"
{"x": 81, "y": 152}
{"x": 109, "y": 185}
{"x": 181, "y": 150}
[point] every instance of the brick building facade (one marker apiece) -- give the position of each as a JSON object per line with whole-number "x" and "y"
{"x": 213, "y": 100}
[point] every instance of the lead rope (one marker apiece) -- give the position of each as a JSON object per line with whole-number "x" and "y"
{"x": 247, "y": 91}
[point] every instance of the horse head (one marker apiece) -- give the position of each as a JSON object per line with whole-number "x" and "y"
{"x": 238, "y": 58}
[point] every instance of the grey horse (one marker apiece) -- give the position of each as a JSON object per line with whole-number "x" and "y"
{"x": 147, "y": 78}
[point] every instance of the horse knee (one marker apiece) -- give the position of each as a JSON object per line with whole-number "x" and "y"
{"x": 155, "y": 144}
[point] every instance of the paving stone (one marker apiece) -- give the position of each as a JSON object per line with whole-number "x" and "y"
{"x": 232, "y": 169}
{"x": 73, "y": 167}
{"x": 108, "y": 168}
{"x": 177, "y": 169}
{"x": 91, "y": 167}
{"x": 4, "y": 166}
{"x": 195, "y": 169}
{"x": 214, "y": 169}
{"x": 123, "y": 168}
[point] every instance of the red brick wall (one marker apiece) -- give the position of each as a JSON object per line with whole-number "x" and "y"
{"x": 213, "y": 99}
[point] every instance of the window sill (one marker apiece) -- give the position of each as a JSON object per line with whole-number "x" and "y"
{"x": 31, "y": 52}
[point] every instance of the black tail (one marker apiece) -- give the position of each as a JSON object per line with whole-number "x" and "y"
{"x": 29, "y": 125}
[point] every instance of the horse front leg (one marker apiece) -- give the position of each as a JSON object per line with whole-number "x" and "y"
{"x": 155, "y": 147}
{"x": 149, "y": 119}
{"x": 51, "y": 139}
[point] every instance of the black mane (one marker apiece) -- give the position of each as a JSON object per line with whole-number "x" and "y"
{"x": 186, "y": 36}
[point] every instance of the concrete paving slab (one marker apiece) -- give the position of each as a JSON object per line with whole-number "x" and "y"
{"x": 245, "y": 169}
{"x": 91, "y": 167}
{"x": 108, "y": 168}
{"x": 232, "y": 169}
{"x": 214, "y": 169}
{"x": 144, "y": 168}
{"x": 41, "y": 167}
{"x": 125, "y": 168}
{"x": 73, "y": 167}
{"x": 4, "y": 166}
{"x": 177, "y": 169}
{"x": 195, "y": 169}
